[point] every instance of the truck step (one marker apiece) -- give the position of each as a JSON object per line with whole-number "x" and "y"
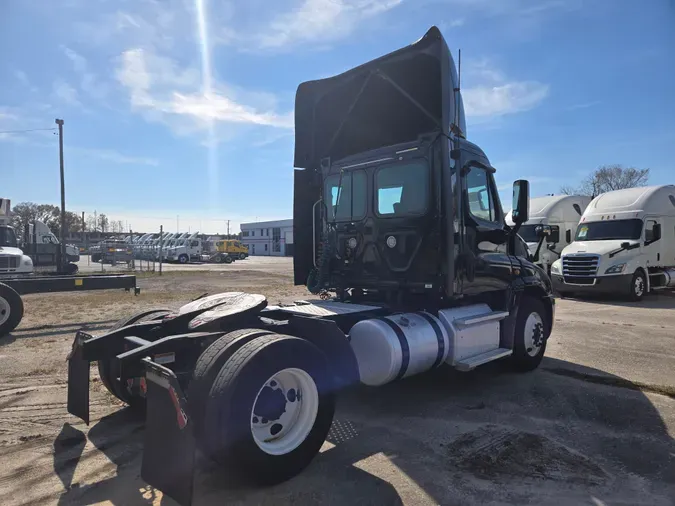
{"x": 483, "y": 358}
{"x": 481, "y": 318}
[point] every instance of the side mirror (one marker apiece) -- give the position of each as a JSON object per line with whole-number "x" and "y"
{"x": 568, "y": 236}
{"x": 520, "y": 212}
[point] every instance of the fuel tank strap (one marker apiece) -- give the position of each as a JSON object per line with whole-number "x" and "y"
{"x": 439, "y": 337}
{"x": 405, "y": 349}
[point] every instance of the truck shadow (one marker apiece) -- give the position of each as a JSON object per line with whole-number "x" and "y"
{"x": 562, "y": 434}
{"x": 662, "y": 300}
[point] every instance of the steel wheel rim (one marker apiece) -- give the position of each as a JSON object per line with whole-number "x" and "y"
{"x": 5, "y": 310}
{"x": 533, "y": 334}
{"x": 294, "y": 392}
{"x": 639, "y": 286}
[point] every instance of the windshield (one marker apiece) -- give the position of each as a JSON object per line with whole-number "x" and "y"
{"x": 608, "y": 230}
{"x": 402, "y": 189}
{"x": 352, "y": 190}
{"x": 528, "y": 233}
{"x": 7, "y": 237}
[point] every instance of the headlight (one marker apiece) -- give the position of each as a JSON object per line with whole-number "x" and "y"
{"x": 616, "y": 269}
{"x": 555, "y": 267}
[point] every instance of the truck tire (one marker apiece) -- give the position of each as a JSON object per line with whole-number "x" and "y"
{"x": 218, "y": 259}
{"x": 531, "y": 333}
{"x": 227, "y": 259}
{"x": 638, "y": 286}
{"x": 11, "y": 309}
{"x": 109, "y": 373}
{"x": 242, "y": 256}
{"x": 183, "y": 259}
{"x": 270, "y": 409}
{"x": 207, "y": 368}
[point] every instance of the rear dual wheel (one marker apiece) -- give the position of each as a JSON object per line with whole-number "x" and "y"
{"x": 269, "y": 409}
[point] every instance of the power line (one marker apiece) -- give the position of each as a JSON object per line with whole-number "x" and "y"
{"x": 26, "y": 131}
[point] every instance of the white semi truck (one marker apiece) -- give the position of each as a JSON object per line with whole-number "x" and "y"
{"x": 625, "y": 243}
{"x": 187, "y": 249}
{"x": 12, "y": 259}
{"x": 556, "y": 217}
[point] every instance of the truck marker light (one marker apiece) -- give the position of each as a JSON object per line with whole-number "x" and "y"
{"x": 391, "y": 241}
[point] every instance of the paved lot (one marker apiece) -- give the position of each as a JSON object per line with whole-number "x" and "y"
{"x": 593, "y": 425}
{"x": 276, "y": 265}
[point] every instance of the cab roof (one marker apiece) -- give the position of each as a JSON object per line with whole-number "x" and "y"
{"x": 633, "y": 203}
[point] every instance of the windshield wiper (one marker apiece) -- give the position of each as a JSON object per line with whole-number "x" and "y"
{"x": 624, "y": 247}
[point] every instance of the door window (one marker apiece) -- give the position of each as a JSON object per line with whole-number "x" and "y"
{"x": 649, "y": 230}
{"x": 481, "y": 201}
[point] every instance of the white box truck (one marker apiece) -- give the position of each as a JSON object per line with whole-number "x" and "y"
{"x": 625, "y": 243}
{"x": 555, "y": 215}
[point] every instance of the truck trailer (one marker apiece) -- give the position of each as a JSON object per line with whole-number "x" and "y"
{"x": 387, "y": 237}
{"x": 624, "y": 244}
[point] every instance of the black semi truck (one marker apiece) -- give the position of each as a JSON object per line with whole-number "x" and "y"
{"x": 400, "y": 232}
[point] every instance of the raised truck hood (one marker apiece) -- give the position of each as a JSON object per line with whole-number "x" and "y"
{"x": 386, "y": 101}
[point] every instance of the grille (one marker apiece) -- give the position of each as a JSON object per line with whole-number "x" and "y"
{"x": 580, "y": 265}
{"x": 579, "y": 280}
{"x": 7, "y": 262}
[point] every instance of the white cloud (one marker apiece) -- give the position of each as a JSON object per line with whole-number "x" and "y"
{"x": 88, "y": 80}
{"x": 484, "y": 101}
{"x": 66, "y": 93}
{"x": 490, "y": 93}
{"x": 163, "y": 91}
{"x": 316, "y": 21}
{"x": 115, "y": 156}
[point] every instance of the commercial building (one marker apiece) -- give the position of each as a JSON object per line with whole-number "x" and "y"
{"x": 268, "y": 238}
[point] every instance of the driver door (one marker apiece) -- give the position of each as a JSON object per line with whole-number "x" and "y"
{"x": 485, "y": 237}
{"x": 652, "y": 243}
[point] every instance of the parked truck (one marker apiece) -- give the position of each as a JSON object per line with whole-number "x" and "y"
{"x": 12, "y": 259}
{"x": 186, "y": 250}
{"x": 388, "y": 234}
{"x": 231, "y": 248}
{"x": 624, "y": 244}
{"x": 553, "y": 218}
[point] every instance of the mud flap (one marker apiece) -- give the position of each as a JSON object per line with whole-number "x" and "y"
{"x": 78, "y": 379}
{"x": 169, "y": 449}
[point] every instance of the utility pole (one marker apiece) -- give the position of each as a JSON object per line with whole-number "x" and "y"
{"x": 228, "y": 229}
{"x": 161, "y": 242}
{"x": 62, "y": 267}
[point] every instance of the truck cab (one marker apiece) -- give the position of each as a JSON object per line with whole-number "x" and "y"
{"x": 624, "y": 244}
{"x": 551, "y": 227}
{"x": 12, "y": 259}
{"x": 394, "y": 206}
{"x": 232, "y": 247}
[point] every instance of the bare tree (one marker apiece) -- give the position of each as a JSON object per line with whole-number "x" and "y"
{"x": 92, "y": 226}
{"x": 103, "y": 222}
{"x": 609, "y": 178}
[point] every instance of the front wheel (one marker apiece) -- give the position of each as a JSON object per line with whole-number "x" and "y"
{"x": 531, "y": 334}
{"x": 638, "y": 286}
{"x": 183, "y": 259}
{"x": 242, "y": 256}
{"x": 11, "y": 309}
{"x": 270, "y": 409}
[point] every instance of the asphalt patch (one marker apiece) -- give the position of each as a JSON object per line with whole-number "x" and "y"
{"x": 496, "y": 453}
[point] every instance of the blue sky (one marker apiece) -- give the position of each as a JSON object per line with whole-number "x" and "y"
{"x": 185, "y": 108}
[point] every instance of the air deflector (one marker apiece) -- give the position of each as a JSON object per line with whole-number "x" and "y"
{"x": 386, "y": 101}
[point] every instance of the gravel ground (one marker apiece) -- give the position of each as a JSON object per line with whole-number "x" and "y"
{"x": 593, "y": 425}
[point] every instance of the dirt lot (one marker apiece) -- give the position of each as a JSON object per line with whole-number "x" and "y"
{"x": 593, "y": 425}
